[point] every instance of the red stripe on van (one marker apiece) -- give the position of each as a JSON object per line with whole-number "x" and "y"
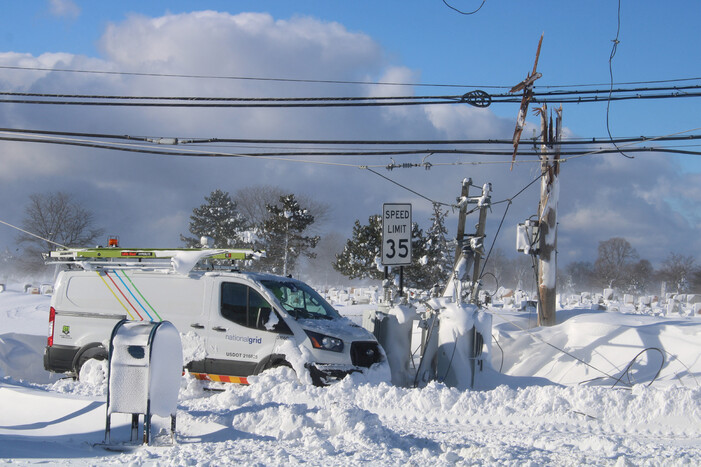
{"x": 125, "y": 297}
{"x": 220, "y": 378}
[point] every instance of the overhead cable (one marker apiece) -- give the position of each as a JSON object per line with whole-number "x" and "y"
{"x": 466, "y": 13}
{"x": 242, "y": 78}
{"x": 614, "y": 48}
{"x": 475, "y": 98}
{"x": 324, "y": 81}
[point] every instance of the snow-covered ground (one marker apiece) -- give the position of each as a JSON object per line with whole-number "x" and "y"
{"x": 544, "y": 407}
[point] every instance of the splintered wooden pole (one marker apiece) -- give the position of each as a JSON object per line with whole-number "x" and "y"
{"x": 527, "y": 87}
{"x": 480, "y": 229}
{"x": 547, "y": 215}
{"x": 462, "y": 217}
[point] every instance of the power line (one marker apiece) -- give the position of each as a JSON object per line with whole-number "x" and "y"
{"x": 681, "y": 136}
{"x": 245, "y": 78}
{"x": 476, "y": 98}
{"x": 321, "y": 81}
{"x": 258, "y": 103}
{"x": 226, "y": 99}
{"x": 466, "y": 13}
{"x": 407, "y": 188}
{"x": 614, "y": 48}
{"x": 288, "y": 156}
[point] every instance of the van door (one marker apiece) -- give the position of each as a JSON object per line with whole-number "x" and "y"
{"x": 238, "y": 338}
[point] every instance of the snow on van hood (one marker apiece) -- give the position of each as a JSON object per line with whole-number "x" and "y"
{"x": 342, "y": 328}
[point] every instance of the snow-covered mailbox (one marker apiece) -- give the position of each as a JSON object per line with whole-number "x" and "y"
{"x": 145, "y": 368}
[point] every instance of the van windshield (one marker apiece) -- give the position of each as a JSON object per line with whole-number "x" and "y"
{"x": 300, "y": 300}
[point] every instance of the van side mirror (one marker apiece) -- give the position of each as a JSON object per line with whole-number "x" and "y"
{"x": 273, "y": 322}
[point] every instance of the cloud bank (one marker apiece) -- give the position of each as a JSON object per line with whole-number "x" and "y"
{"x": 147, "y": 199}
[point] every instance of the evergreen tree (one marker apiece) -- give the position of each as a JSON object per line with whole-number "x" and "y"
{"x": 284, "y": 235}
{"x": 219, "y": 219}
{"x": 439, "y": 259}
{"x": 360, "y": 258}
{"x": 416, "y": 275}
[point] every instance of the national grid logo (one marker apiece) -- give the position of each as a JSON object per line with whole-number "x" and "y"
{"x": 247, "y": 339}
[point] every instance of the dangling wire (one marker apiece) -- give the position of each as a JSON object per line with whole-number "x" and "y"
{"x": 614, "y": 49}
{"x": 464, "y": 12}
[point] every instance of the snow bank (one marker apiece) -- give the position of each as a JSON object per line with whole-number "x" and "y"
{"x": 20, "y": 358}
{"x": 277, "y": 420}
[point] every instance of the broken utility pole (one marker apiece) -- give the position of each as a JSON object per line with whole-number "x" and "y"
{"x": 483, "y": 203}
{"x": 527, "y": 86}
{"x": 547, "y": 217}
{"x": 469, "y": 249}
{"x": 462, "y": 217}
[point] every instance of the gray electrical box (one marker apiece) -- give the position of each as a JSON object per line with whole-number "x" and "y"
{"x": 527, "y": 235}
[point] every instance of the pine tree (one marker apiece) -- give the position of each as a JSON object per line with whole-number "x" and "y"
{"x": 283, "y": 234}
{"x": 360, "y": 258}
{"x": 361, "y": 255}
{"x": 438, "y": 261}
{"x": 219, "y": 219}
{"x": 416, "y": 275}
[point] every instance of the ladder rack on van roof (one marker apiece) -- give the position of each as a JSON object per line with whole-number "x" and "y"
{"x": 119, "y": 258}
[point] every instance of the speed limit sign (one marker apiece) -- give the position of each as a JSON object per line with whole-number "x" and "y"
{"x": 396, "y": 234}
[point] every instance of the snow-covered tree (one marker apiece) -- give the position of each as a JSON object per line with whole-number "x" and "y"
{"x": 639, "y": 277}
{"x": 438, "y": 261}
{"x": 360, "y": 258}
{"x": 677, "y": 271}
{"x": 578, "y": 277}
{"x": 284, "y": 235}
{"x": 219, "y": 219}
{"x": 252, "y": 202}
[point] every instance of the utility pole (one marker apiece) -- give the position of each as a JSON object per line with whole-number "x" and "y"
{"x": 469, "y": 247}
{"x": 462, "y": 217}
{"x": 547, "y": 217}
{"x": 527, "y": 87}
{"x": 484, "y": 203}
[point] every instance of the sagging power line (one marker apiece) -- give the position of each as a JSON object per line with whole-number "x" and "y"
{"x": 476, "y": 98}
{"x": 680, "y": 136}
{"x": 322, "y": 81}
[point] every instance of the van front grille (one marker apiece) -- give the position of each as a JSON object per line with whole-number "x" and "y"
{"x": 365, "y": 354}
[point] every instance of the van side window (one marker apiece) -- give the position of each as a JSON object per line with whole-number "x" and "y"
{"x": 245, "y": 306}
{"x": 234, "y": 302}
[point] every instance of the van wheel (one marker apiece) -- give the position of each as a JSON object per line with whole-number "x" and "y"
{"x": 97, "y": 352}
{"x": 270, "y": 362}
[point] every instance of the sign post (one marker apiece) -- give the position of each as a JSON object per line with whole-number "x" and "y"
{"x": 396, "y": 237}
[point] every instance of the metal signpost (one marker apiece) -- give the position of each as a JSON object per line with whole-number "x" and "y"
{"x": 396, "y": 237}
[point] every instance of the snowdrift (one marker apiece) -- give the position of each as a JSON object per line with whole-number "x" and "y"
{"x": 543, "y": 407}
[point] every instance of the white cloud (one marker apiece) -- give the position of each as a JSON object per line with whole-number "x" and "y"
{"x": 64, "y": 8}
{"x": 142, "y": 198}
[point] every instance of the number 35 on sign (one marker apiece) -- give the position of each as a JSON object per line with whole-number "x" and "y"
{"x": 396, "y": 234}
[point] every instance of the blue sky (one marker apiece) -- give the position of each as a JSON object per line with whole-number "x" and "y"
{"x": 495, "y": 46}
{"x": 413, "y": 41}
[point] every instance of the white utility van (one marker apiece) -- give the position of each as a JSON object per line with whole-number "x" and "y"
{"x": 242, "y": 323}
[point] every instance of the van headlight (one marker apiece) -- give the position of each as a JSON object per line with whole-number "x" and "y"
{"x": 320, "y": 341}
